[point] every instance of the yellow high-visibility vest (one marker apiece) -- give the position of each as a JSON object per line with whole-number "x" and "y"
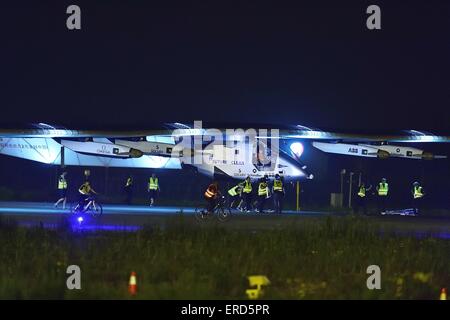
{"x": 278, "y": 185}
{"x": 418, "y": 192}
{"x": 362, "y": 192}
{"x": 85, "y": 189}
{"x": 62, "y": 183}
{"x": 383, "y": 189}
{"x": 247, "y": 187}
{"x": 235, "y": 190}
{"x": 153, "y": 184}
{"x": 262, "y": 189}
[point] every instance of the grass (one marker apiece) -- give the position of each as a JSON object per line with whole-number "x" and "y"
{"x": 318, "y": 259}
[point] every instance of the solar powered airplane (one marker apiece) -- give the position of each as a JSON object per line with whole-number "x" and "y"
{"x": 236, "y": 153}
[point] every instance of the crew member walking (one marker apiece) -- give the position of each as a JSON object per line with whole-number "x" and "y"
{"x": 383, "y": 190}
{"x": 417, "y": 193}
{"x": 153, "y": 188}
{"x": 361, "y": 199}
{"x": 129, "y": 190}
{"x": 234, "y": 194}
{"x": 62, "y": 190}
{"x": 247, "y": 194}
{"x": 278, "y": 193}
{"x": 263, "y": 194}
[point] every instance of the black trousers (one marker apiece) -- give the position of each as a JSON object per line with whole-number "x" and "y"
{"x": 261, "y": 202}
{"x": 247, "y": 200}
{"x": 129, "y": 195}
{"x": 382, "y": 203}
{"x": 278, "y": 201}
{"x": 361, "y": 204}
{"x": 417, "y": 204}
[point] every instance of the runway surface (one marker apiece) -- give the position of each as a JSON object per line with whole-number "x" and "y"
{"x": 132, "y": 218}
{"x": 40, "y": 208}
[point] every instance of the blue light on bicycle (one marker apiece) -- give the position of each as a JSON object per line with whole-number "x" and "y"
{"x": 80, "y": 219}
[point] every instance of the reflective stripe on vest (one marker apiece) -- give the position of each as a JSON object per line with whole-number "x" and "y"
{"x": 153, "y": 184}
{"x": 362, "y": 192}
{"x": 278, "y": 185}
{"x": 248, "y": 187}
{"x": 209, "y": 193}
{"x": 62, "y": 184}
{"x": 383, "y": 189}
{"x": 418, "y": 192}
{"x": 262, "y": 189}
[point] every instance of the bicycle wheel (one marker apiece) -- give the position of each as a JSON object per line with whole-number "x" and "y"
{"x": 75, "y": 208}
{"x": 95, "y": 209}
{"x": 223, "y": 214}
{"x": 201, "y": 214}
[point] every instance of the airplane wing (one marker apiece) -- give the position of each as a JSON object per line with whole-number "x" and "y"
{"x": 153, "y": 147}
{"x": 179, "y": 130}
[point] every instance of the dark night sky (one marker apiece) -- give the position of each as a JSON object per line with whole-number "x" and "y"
{"x": 313, "y": 63}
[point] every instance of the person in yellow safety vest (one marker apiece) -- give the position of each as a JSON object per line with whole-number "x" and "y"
{"x": 247, "y": 194}
{"x": 234, "y": 194}
{"x": 62, "y": 190}
{"x": 278, "y": 193}
{"x": 263, "y": 193}
{"x": 211, "y": 195}
{"x": 417, "y": 194}
{"x": 361, "y": 199}
{"x": 85, "y": 191}
{"x": 129, "y": 190}
{"x": 383, "y": 190}
{"x": 153, "y": 188}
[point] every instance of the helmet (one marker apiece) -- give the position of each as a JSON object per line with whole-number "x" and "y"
{"x": 384, "y": 179}
{"x": 277, "y": 176}
{"x": 416, "y": 183}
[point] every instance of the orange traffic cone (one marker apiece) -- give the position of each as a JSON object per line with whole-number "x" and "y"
{"x": 132, "y": 285}
{"x": 443, "y": 295}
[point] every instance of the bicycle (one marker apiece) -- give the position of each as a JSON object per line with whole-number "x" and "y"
{"x": 92, "y": 207}
{"x": 221, "y": 209}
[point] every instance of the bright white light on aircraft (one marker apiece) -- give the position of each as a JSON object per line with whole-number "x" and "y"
{"x": 297, "y": 148}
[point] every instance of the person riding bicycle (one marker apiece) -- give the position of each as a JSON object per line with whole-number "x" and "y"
{"x": 86, "y": 191}
{"x": 212, "y": 194}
